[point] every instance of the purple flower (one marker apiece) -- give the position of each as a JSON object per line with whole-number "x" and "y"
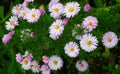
{"x": 82, "y": 65}
{"x": 65, "y": 21}
{"x": 87, "y": 8}
{"x": 42, "y": 11}
{"x": 25, "y": 3}
{"x": 6, "y": 38}
{"x": 45, "y": 69}
{"x": 32, "y": 34}
{"x": 45, "y": 59}
{"x": 19, "y": 58}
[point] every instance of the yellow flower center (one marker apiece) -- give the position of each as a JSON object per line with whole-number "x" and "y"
{"x": 71, "y": 49}
{"x": 109, "y": 40}
{"x": 89, "y": 42}
{"x": 71, "y": 9}
{"x": 11, "y": 23}
{"x": 55, "y": 62}
{"x": 23, "y": 13}
{"x": 33, "y": 15}
{"x": 34, "y": 66}
{"x": 56, "y": 9}
{"x": 17, "y": 8}
{"x": 25, "y": 62}
{"x": 57, "y": 27}
{"x": 90, "y": 23}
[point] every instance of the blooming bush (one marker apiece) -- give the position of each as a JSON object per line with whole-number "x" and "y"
{"x": 69, "y": 37}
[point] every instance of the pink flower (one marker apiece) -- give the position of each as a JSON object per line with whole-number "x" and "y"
{"x": 65, "y": 21}
{"x": 87, "y": 8}
{"x": 45, "y": 69}
{"x": 6, "y": 38}
{"x": 42, "y": 11}
{"x": 19, "y": 58}
{"x": 25, "y": 3}
{"x": 45, "y": 59}
{"x": 29, "y": 57}
{"x": 82, "y": 65}
{"x": 32, "y": 34}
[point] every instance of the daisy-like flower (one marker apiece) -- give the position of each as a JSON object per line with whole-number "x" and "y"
{"x": 26, "y": 64}
{"x": 56, "y": 29}
{"x": 56, "y": 10}
{"x": 45, "y": 59}
{"x": 82, "y": 65}
{"x": 110, "y": 40}
{"x": 55, "y": 62}
{"x": 87, "y": 7}
{"x": 90, "y": 23}
{"x": 35, "y": 67}
{"x": 23, "y": 13}
{"x": 16, "y": 9}
{"x": 72, "y": 49}
{"x": 12, "y": 23}
{"x": 33, "y": 15}
{"x": 88, "y": 42}
{"x": 71, "y": 9}
{"x": 19, "y": 58}
{"x": 45, "y": 69}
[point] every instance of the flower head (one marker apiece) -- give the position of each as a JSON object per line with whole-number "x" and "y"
{"x": 19, "y": 58}
{"x": 87, "y": 8}
{"x": 35, "y": 67}
{"x": 45, "y": 69}
{"x": 45, "y": 59}
{"x": 110, "y": 40}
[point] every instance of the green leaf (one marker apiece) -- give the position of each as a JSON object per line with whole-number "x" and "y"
{"x": 1, "y": 12}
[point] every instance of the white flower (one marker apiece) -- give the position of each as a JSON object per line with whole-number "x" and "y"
{"x": 88, "y": 42}
{"x": 12, "y": 23}
{"x": 26, "y": 64}
{"x": 23, "y": 13}
{"x": 71, "y": 9}
{"x": 56, "y": 10}
{"x": 33, "y": 15}
{"x": 56, "y": 29}
{"x": 55, "y": 62}
{"x": 35, "y": 67}
{"x": 72, "y": 49}
{"x": 16, "y": 9}
{"x": 110, "y": 40}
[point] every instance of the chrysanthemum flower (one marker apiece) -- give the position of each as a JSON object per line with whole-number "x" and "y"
{"x": 35, "y": 67}
{"x": 56, "y": 29}
{"x": 45, "y": 59}
{"x": 56, "y": 10}
{"x": 45, "y": 69}
{"x": 87, "y": 8}
{"x": 72, "y": 49}
{"x": 82, "y": 65}
{"x": 71, "y": 9}
{"x": 90, "y": 23}
{"x": 19, "y": 58}
{"x": 55, "y": 62}
{"x": 16, "y": 9}
{"x": 26, "y": 64}
{"x": 7, "y": 37}
{"x": 23, "y": 13}
{"x": 33, "y": 15}
{"x": 88, "y": 42}
{"x": 110, "y": 40}
{"x": 12, "y": 23}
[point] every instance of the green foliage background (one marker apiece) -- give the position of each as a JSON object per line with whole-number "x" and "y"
{"x": 100, "y": 61}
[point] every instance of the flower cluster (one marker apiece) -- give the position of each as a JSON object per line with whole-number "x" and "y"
{"x": 21, "y": 11}
{"x": 53, "y": 63}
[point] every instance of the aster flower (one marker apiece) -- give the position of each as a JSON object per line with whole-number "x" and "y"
{"x": 23, "y": 13}
{"x": 7, "y": 37}
{"x": 88, "y": 42}
{"x": 71, "y": 9}
{"x": 56, "y": 29}
{"x": 55, "y": 62}
{"x": 25, "y": 3}
{"x": 45, "y": 59}
{"x": 56, "y": 10}
{"x": 72, "y": 49}
{"x": 87, "y": 8}
{"x": 110, "y": 40}
{"x": 82, "y": 65}
{"x": 16, "y": 9}
{"x": 19, "y": 58}
{"x": 33, "y": 15}
{"x": 26, "y": 64}
{"x": 35, "y": 67}
{"x": 32, "y": 34}
{"x": 90, "y": 23}
{"x": 12, "y": 23}
{"x": 45, "y": 69}
{"x": 42, "y": 11}
{"x": 65, "y": 21}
